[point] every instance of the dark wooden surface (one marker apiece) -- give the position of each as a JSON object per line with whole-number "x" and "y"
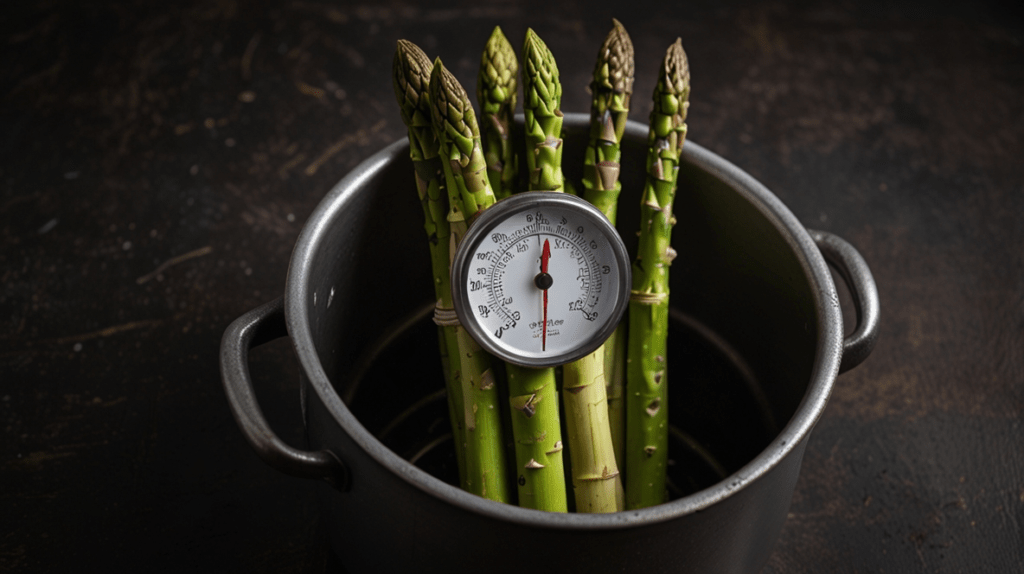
{"x": 159, "y": 161}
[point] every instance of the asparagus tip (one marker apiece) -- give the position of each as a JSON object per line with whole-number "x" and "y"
{"x": 614, "y": 69}
{"x": 411, "y": 74}
{"x": 676, "y": 58}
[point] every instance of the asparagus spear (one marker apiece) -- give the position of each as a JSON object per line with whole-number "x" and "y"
{"x": 496, "y": 91}
{"x": 542, "y": 96}
{"x": 596, "y": 482}
{"x": 646, "y": 380}
{"x": 411, "y": 71}
{"x": 538, "y": 438}
{"x": 533, "y": 392}
{"x": 611, "y": 90}
{"x": 615, "y": 392}
{"x": 469, "y": 193}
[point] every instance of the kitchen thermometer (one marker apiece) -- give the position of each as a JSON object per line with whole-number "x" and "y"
{"x": 541, "y": 279}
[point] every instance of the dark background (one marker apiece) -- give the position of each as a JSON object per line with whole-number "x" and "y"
{"x": 158, "y": 162}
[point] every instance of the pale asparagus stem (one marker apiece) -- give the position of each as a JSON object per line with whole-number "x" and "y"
{"x": 485, "y": 456}
{"x": 611, "y": 90}
{"x": 496, "y": 91}
{"x": 411, "y": 75}
{"x": 542, "y": 98}
{"x": 646, "y": 379}
{"x": 540, "y": 471}
{"x": 595, "y": 474}
{"x": 469, "y": 193}
{"x": 596, "y": 480}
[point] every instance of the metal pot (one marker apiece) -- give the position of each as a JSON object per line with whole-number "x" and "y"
{"x": 757, "y": 342}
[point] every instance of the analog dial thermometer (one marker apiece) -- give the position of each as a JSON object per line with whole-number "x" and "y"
{"x": 541, "y": 279}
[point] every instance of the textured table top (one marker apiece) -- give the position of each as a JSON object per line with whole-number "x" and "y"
{"x": 159, "y": 162}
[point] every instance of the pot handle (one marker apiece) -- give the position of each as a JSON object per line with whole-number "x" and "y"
{"x": 854, "y": 271}
{"x": 262, "y": 325}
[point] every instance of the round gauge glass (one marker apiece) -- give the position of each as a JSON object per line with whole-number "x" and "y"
{"x": 541, "y": 279}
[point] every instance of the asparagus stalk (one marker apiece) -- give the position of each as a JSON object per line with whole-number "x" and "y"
{"x": 611, "y": 90}
{"x": 538, "y": 438}
{"x": 533, "y": 393}
{"x": 597, "y": 486}
{"x": 615, "y": 391}
{"x": 411, "y": 75}
{"x": 469, "y": 193}
{"x": 646, "y": 380}
{"x": 596, "y": 482}
{"x": 542, "y": 97}
{"x": 496, "y": 91}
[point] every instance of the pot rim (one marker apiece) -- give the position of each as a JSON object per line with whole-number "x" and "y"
{"x": 823, "y": 373}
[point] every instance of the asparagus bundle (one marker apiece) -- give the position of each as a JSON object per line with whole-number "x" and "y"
{"x": 469, "y": 193}
{"x": 411, "y": 75}
{"x": 646, "y": 381}
{"x": 496, "y": 91}
{"x": 533, "y": 393}
{"x": 610, "y": 90}
{"x": 445, "y": 139}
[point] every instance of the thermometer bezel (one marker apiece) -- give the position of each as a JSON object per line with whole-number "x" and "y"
{"x": 497, "y": 214}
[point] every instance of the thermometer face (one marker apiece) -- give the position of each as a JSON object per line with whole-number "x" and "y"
{"x": 541, "y": 279}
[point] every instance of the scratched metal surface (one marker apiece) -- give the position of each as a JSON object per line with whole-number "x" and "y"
{"x": 158, "y": 163}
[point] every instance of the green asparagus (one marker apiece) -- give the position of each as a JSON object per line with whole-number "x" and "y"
{"x": 469, "y": 193}
{"x": 538, "y": 438}
{"x": 597, "y": 484}
{"x": 496, "y": 91}
{"x": 411, "y": 72}
{"x": 615, "y": 392}
{"x": 646, "y": 380}
{"x": 542, "y": 97}
{"x": 611, "y": 90}
{"x": 533, "y": 392}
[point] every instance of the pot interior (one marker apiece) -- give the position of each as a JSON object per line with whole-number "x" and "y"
{"x": 742, "y": 339}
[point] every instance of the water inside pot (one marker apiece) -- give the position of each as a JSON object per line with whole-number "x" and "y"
{"x": 718, "y": 410}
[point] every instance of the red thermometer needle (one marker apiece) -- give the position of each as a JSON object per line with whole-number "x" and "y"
{"x": 544, "y": 256}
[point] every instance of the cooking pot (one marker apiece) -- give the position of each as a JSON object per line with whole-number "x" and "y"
{"x": 756, "y": 343}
